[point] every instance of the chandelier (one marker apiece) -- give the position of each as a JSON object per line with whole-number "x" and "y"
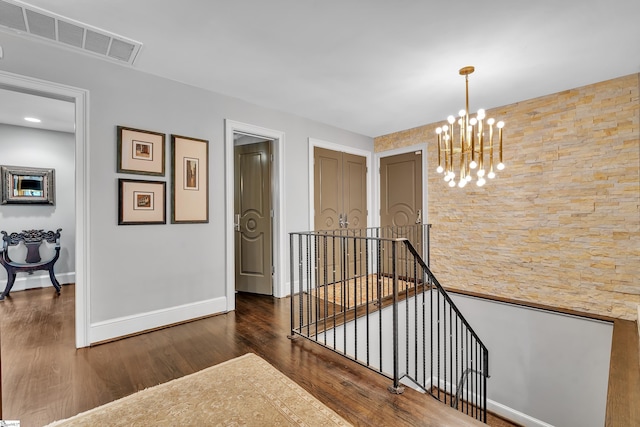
{"x": 463, "y": 145}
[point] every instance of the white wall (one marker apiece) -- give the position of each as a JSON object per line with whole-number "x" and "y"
{"x": 153, "y": 269}
{"x": 550, "y": 366}
{"x": 24, "y": 146}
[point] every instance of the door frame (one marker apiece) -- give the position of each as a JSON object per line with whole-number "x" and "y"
{"x": 277, "y": 198}
{"x": 80, "y": 98}
{"x": 346, "y": 149}
{"x": 395, "y": 152}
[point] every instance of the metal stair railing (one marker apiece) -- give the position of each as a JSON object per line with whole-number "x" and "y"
{"x": 370, "y": 296}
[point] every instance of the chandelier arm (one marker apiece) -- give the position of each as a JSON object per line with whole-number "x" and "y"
{"x": 473, "y": 141}
{"x": 500, "y": 136}
{"x": 451, "y": 153}
{"x": 491, "y": 145}
{"x": 481, "y": 156}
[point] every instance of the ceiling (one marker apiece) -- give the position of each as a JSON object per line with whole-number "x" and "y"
{"x": 54, "y": 114}
{"x": 374, "y": 66}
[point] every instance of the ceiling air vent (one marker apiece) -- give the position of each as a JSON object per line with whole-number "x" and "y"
{"x": 29, "y": 20}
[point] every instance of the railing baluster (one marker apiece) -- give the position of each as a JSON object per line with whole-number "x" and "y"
{"x": 468, "y": 367}
{"x": 300, "y": 283}
{"x": 415, "y": 326}
{"x": 394, "y": 272}
{"x": 424, "y": 326}
{"x": 451, "y": 381}
{"x": 310, "y": 280}
{"x": 367, "y": 274}
{"x": 471, "y": 381}
{"x": 334, "y": 317}
{"x": 345, "y": 287}
{"x": 457, "y": 353}
{"x": 355, "y": 295}
{"x": 444, "y": 342}
{"x": 476, "y": 380}
{"x": 407, "y": 319}
{"x": 438, "y": 343}
{"x": 325, "y": 291}
{"x": 292, "y": 276}
{"x": 316, "y": 313}
{"x": 485, "y": 375}
{"x": 379, "y": 299}
{"x": 431, "y": 333}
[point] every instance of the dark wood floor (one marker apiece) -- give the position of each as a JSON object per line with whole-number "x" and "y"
{"x": 44, "y": 378}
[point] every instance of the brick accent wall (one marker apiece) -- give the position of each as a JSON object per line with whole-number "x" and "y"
{"x": 560, "y": 225}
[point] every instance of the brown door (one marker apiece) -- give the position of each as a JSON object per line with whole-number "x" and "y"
{"x": 327, "y": 192}
{"x": 340, "y": 201}
{"x": 401, "y": 197}
{"x": 354, "y": 191}
{"x": 253, "y": 235}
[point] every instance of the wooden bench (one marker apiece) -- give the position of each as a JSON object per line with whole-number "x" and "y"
{"x": 32, "y": 239}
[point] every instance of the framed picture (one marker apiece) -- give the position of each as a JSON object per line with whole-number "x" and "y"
{"x": 140, "y": 151}
{"x": 141, "y": 202}
{"x": 190, "y": 184}
{"x": 191, "y": 174}
{"x": 25, "y": 185}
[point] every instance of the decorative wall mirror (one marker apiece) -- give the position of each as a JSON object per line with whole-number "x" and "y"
{"x": 24, "y": 185}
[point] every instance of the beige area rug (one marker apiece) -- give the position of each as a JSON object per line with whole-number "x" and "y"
{"x": 246, "y": 391}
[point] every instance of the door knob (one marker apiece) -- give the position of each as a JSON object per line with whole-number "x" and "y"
{"x": 236, "y": 222}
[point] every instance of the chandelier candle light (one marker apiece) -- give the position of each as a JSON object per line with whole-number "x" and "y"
{"x": 468, "y": 142}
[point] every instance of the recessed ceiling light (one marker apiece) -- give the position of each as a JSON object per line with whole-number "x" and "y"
{"x": 32, "y": 119}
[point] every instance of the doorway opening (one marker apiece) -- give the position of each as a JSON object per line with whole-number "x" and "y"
{"x": 49, "y": 90}
{"x": 258, "y": 224}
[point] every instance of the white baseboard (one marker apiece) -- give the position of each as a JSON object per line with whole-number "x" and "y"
{"x": 498, "y": 408}
{"x": 513, "y": 415}
{"x": 114, "y": 328}
{"x": 35, "y": 281}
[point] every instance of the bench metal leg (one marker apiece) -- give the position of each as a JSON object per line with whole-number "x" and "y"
{"x": 54, "y": 281}
{"x": 11, "y": 278}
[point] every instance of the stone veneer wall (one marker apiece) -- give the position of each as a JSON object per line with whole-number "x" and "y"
{"x": 560, "y": 225}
